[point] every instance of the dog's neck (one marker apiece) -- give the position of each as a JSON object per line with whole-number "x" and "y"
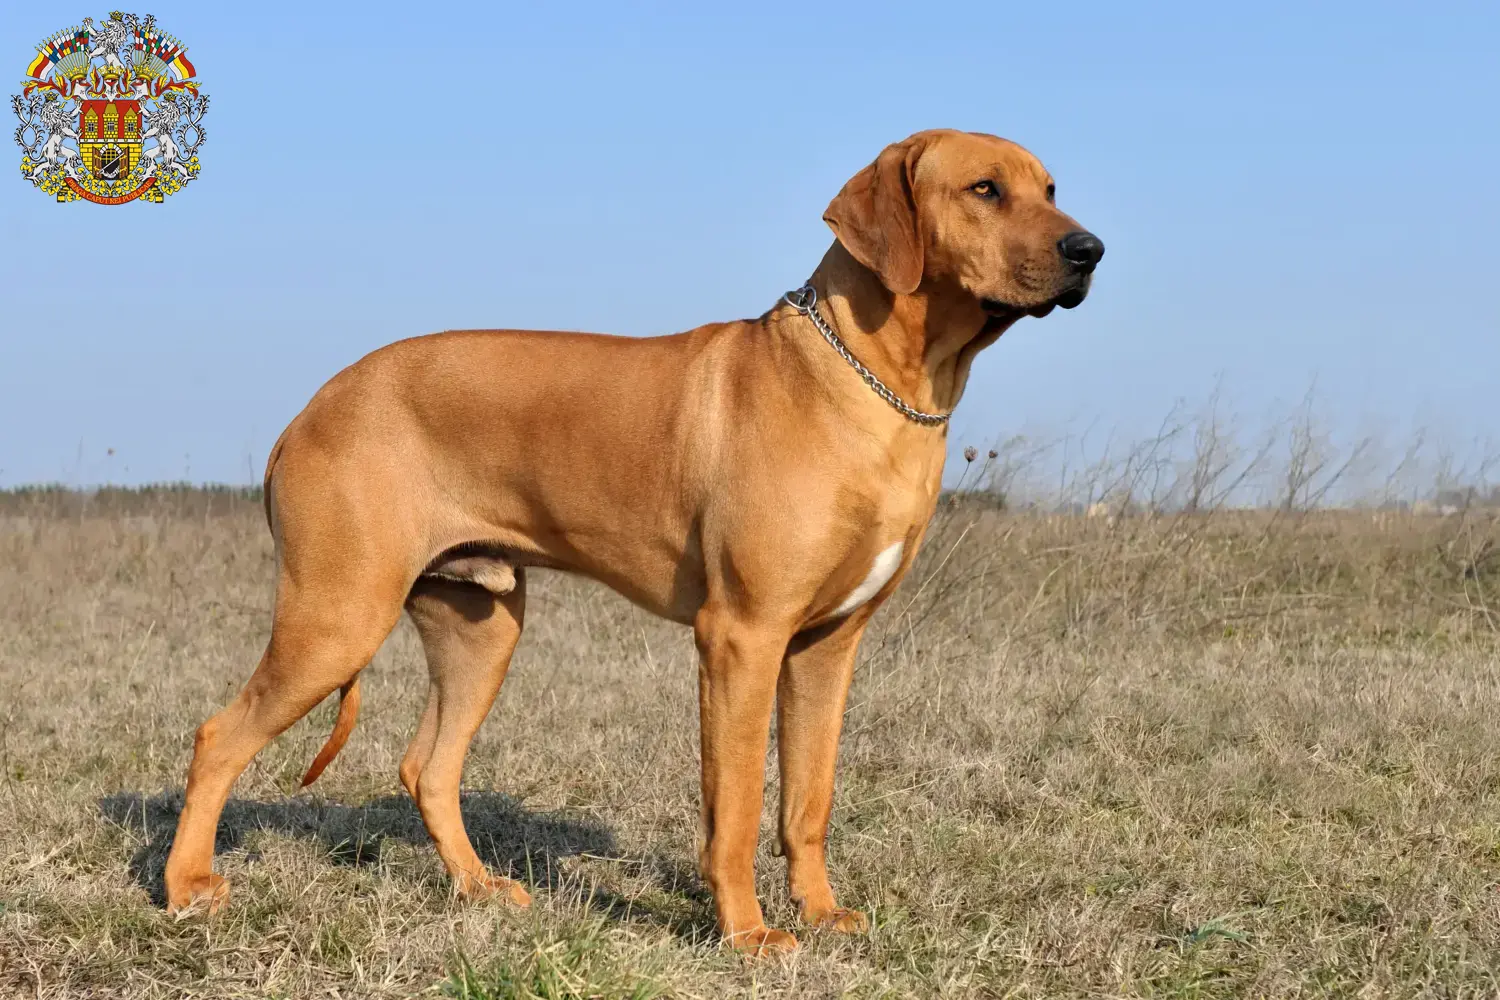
{"x": 920, "y": 345}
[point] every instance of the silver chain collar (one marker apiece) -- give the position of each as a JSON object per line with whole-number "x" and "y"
{"x": 805, "y": 301}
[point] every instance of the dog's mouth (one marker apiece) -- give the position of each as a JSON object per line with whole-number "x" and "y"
{"x": 998, "y": 310}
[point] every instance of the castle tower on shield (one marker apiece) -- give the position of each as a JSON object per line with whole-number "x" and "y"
{"x": 109, "y": 137}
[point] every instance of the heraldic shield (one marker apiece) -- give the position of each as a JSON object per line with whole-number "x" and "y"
{"x": 110, "y": 113}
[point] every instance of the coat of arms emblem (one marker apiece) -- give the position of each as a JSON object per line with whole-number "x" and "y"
{"x": 110, "y": 113}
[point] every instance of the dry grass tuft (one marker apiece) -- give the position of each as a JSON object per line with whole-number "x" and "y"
{"x": 1177, "y": 755}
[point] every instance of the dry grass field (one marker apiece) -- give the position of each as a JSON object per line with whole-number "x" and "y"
{"x": 1207, "y": 755}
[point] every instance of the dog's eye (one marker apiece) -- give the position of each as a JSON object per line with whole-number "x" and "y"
{"x": 1051, "y": 192}
{"x": 985, "y": 189}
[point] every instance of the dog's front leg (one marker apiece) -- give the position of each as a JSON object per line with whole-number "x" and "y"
{"x": 813, "y": 686}
{"x": 738, "y": 665}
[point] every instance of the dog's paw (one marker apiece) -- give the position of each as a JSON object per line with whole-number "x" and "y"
{"x": 762, "y": 942}
{"x": 485, "y": 887}
{"x": 201, "y": 894}
{"x": 838, "y": 918}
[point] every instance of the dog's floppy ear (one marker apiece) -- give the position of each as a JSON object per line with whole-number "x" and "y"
{"x": 875, "y": 217}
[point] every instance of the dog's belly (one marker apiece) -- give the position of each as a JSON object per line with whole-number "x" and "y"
{"x": 881, "y": 571}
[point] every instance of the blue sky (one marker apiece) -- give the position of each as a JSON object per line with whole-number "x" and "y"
{"x": 1289, "y": 193}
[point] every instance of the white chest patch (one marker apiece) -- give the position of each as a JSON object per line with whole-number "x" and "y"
{"x": 880, "y": 574}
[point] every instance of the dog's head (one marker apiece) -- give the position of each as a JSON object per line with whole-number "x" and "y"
{"x": 971, "y": 212}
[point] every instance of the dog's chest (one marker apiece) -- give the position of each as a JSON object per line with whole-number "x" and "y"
{"x": 885, "y": 529}
{"x": 873, "y": 562}
{"x": 887, "y": 561}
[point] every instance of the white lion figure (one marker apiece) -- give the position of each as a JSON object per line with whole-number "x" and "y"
{"x": 55, "y": 115}
{"x": 161, "y": 122}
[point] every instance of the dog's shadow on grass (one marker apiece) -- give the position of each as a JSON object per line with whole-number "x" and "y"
{"x": 512, "y": 840}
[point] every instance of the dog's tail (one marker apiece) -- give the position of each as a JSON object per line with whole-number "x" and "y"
{"x": 342, "y": 727}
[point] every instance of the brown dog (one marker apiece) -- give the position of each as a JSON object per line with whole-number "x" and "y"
{"x": 747, "y": 479}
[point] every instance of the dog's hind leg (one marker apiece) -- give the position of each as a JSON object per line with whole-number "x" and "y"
{"x": 420, "y": 747}
{"x": 486, "y": 570}
{"x": 469, "y": 633}
{"x": 322, "y": 636}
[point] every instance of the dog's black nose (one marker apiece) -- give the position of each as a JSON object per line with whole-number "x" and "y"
{"x": 1082, "y": 250}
